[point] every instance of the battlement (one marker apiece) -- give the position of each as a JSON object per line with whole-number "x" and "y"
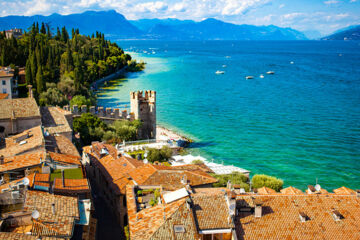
{"x": 101, "y": 112}
{"x": 149, "y": 96}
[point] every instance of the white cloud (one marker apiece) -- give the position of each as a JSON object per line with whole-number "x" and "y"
{"x": 152, "y": 7}
{"x": 281, "y": 6}
{"x": 329, "y": 2}
{"x": 352, "y": 1}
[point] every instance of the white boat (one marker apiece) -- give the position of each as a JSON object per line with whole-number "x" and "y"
{"x": 270, "y": 72}
{"x": 249, "y": 77}
{"x": 224, "y": 66}
{"x": 261, "y": 75}
{"x": 291, "y": 62}
{"x": 228, "y": 57}
{"x": 219, "y": 72}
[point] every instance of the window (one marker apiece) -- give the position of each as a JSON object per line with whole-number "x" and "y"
{"x": 3, "y": 82}
{"x": 4, "y": 90}
{"x": 179, "y": 229}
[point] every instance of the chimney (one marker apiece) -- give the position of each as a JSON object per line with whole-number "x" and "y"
{"x": 2, "y": 160}
{"x": 258, "y": 207}
{"x": 184, "y": 180}
{"x": 53, "y": 208}
{"x": 30, "y": 91}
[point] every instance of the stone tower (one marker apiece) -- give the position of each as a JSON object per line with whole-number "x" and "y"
{"x": 144, "y": 108}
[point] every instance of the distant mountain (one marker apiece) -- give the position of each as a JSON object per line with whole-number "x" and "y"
{"x": 108, "y": 22}
{"x": 213, "y": 29}
{"x": 116, "y": 26}
{"x": 352, "y": 33}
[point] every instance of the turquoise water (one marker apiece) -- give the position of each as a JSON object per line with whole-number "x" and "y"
{"x": 299, "y": 124}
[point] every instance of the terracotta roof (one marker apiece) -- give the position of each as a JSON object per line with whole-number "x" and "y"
{"x": 71, "y": 185}
{"x": 169, "y": 178}
{"x": 20, "y": 236}
{"x": 181, "y": 217}
{"x": 201, "y": 167}
{"x": 211, "y": 212}
{"x": 59, "y": 224}
{"x": 41, "y": 179}
{"x": 113, "y": 168}
{"x": 143, "y": 224}
{"x": 61, "y": 144}
{"x": 208, "y": 211}
{"x": 265, "y": 190}
{"x": 6, "y": 73}
{"x": 22, "y": 161}
{"x": 54, "y": 120}
{"x": 19, "y": 108}
{"x": 3, "y": 95}
{"x": 291, "y": 190}
{"x": 280, "y": 217}
{"x": 344, "y": 191}
{"x": 13, "y": 145}
{"x": 65, "y": 158}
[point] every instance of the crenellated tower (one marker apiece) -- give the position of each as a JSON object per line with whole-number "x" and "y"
{"x": 143, "y": 106}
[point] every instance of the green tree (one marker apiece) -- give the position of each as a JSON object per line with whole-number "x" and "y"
{"x": 28, "y": 75}
{"x": 40, "y": 83}
{"x": 159, "y": 155}
{"x": 261, "y": 180}
{"x": 235, "y": 178}
{"x": 52, "y": 96}
{"x": 90, "y": 127}
{"x": 80, "y": 100}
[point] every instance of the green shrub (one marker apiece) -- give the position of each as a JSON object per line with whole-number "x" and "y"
{"x": 160, "y": 155}
{"x": 235, "y": 178}
{"x": 197, "y": 161}
{"x": 261, "y": 180}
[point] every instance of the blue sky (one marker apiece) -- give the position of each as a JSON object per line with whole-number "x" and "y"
{"x": 324, "y": 16}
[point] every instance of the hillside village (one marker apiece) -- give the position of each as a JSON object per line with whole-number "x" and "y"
{"x": 54, "y": 186}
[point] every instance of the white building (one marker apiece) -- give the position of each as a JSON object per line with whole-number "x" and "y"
{"x": 8, "y": 84}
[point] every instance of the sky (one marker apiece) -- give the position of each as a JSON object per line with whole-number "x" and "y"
{"x": 309, "y": 16}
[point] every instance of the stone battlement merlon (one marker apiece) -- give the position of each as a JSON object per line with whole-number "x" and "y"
{"x": 100, "y": 112}
{"x": 149, "y": 96}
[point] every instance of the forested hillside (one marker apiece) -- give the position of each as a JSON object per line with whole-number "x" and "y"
{"x": 59, "y": 65}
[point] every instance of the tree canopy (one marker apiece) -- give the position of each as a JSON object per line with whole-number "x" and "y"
{"x": 77, "y": 61}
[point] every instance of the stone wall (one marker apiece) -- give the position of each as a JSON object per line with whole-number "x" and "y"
{"x": 101, "y": 112}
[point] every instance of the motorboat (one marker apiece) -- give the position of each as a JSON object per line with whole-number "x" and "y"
{"x": 249, "y": 77}
{"x": 219, "y": 72}
{"x": 261, "y": 75}
{"x": 270, "y": 72}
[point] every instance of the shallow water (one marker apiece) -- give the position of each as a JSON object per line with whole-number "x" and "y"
{"x": 299, "y": 124}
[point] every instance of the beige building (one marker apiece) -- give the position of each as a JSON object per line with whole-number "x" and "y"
{"x": 18, "y": 115}
{"x": 8, "y": 84}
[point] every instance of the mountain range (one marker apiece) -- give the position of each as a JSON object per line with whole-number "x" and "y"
{"x": 349, "y": 33}
{"x": 116, "y": 26}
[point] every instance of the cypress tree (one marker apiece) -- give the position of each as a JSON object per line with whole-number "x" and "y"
{"x": 40, "y": 83}
{"x": 33, "y": 68}
{"x": 69, "y": 58}
{"x": 58, "y": 34}
{"x": 43, "y": 30}
{"x": 28, "y": 74}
